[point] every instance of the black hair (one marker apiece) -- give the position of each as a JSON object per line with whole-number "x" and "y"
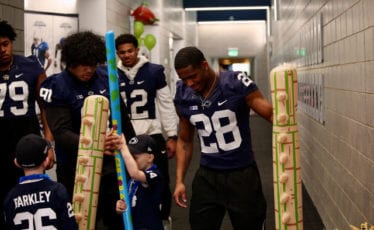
{"x": 126, "y": 38}
{"x": 83, "y": 48}
{"x": 188, "y": 56}
{"x": 6, "y": 30}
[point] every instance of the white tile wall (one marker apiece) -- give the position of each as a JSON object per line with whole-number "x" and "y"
{"x": 12, "y": 11}
{"x": 338, "y": 157}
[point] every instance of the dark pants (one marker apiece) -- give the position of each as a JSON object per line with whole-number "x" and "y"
{"x": 162, "y": 162}
{"x": 237, "y": 191}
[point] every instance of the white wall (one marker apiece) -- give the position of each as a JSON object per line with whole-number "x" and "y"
{"x": 55, "y": 6}
{"x": 13, "y": 12}
{"x": 337, "y": 156}
{"x": 92, "y": 16}
{"x": 249, "y": 38}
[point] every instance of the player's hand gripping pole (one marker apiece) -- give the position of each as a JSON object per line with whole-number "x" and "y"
{"x": 116, "y": 121}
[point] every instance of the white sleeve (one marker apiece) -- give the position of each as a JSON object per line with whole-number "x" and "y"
{"x": 166, "y": 110}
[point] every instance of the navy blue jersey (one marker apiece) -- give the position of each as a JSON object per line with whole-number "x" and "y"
{"x": 39, "y": 204}
{"x": 139, "y": 94}
{"x": 39, "y": 51}
{"x": 18, "y": 88}
{"x": 222, "y": 120}
{"x": 65, "y": 90}
{"x": 146, "y": 202}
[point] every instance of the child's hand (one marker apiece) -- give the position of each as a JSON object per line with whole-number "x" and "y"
{"x": 120, "y": 206}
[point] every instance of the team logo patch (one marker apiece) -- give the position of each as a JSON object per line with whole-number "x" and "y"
{"x": 152, "y": 175}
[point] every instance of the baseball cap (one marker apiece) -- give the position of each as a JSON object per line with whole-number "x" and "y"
{"x": 142, "y": 144}
{"x": 31, "y": 150}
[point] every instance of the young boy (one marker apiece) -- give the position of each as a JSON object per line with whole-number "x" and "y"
{"x": 37, "y": 202}
{"x": 146, "y": 183}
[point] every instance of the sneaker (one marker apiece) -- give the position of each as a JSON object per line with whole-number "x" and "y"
{"x": 167, "y": 223}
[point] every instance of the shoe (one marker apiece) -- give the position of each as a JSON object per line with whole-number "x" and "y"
{"x": 167, "y": 223}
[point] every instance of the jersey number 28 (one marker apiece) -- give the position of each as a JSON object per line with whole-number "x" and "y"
{"x": 214, "y": 124}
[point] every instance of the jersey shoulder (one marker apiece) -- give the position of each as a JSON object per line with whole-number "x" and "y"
{"x": 183, "y": 93}
{"x": 43, "y": 45}
{"x": 154, "y": 67}
{"x": 236, "y": 83}
{"x": 54, "y": 89}
{"x": 155, "y": 73}
{"x": 28, "y": 64}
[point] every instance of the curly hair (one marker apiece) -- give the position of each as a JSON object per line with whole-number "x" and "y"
{"x": 6, "y": 30}
{"x": 83, "y": 48}
{"x": 188, "y": 56}
{"x": 126, "y": 38}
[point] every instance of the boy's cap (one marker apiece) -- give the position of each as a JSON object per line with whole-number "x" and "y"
{"x": 142, "y": 144}
{"x": 31, "y": 150}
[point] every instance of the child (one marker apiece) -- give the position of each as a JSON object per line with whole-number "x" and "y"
{"x": 146, "y": 183}
{"x": 37, "y": 202}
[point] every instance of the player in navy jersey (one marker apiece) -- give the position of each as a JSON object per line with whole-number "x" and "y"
{"x": 40, "y": 49}
{"x": 146, "y": 183}
{"x": 145, "y": 91}
{"x": 37, "y": 202}
{"x": 218, "y": 106}
{"x": 20, "y": 80}
{"x": 64, "y": 95}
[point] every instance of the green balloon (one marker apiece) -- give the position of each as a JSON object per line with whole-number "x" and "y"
{"x": 140, "y": 41}
{"x": 138, "y": 28}
{"x": 149, "y": 41}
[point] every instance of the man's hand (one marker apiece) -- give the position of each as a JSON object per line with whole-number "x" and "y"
{"x": 171, "y": 147}
{"x": 51, "y": 156}
{"x": 112, "y": 142}
{"x": 180, "y": 195}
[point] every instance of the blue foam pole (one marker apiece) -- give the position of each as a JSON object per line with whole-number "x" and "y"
{"x": 116, "y": 121}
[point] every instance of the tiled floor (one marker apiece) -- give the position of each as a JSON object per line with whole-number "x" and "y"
{"x": 261, "y": 137}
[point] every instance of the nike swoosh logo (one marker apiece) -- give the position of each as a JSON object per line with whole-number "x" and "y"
{"x": 140, "y": 82}
{"x": 18, "y": 75}
{"x": 102, "y": 91}
{"x": 221, "y": 102}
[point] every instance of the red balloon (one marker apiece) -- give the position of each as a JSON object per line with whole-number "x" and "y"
{"x": 144, "y": 14}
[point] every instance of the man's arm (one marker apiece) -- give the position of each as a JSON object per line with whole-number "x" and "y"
{"x": 46, "y": 130}
{"x": 60, "y": 122}
{"x": 183, "y": 158}
{"x": 168, "y": 118}
{"x": 260, "y": 105}
{"x": 49, "y": 60}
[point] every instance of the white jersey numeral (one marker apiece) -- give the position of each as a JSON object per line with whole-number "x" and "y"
{"x": 18, "y": 92}
{"x": 36, "y": 219}
{"x": 221, "y": 130}
{"x": 46, "y": 94}
{"x": 141, "y": 96}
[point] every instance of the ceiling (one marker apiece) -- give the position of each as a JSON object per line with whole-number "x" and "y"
{"x": 227, "y": 14}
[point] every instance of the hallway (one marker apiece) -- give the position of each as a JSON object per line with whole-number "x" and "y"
{"x": 261, "y": 139}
